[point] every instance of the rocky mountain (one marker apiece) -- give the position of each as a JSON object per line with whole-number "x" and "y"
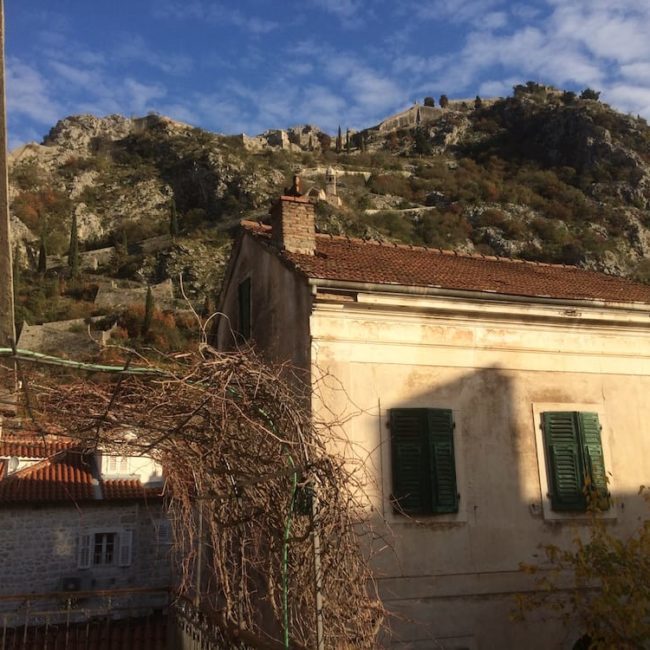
{"x": 544, "y": 175}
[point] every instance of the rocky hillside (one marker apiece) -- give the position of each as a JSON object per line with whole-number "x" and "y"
{"x": 542, "y": 175}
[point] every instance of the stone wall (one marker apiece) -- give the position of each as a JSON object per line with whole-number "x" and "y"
{"x": 114, "y": 296}
{"x": 38, "y": 548}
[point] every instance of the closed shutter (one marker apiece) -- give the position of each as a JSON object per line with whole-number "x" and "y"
{"x": 244, "y": 296}
{"x": 564, "y": 460}
{"x": 444, "y": 492}
{"x": 593, "y": 455}
{"x": 423, "y": 462}
{"x": 125, "y": 548}
{"x": 411, "y": 493}
{"x": 83, "y": 552}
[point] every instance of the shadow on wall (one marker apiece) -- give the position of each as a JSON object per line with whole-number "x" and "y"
{"x": 459, "y": 523}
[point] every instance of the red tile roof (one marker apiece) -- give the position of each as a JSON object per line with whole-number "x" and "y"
{"x": 32, "y": 447}
{"x": 355, "y": 260}
{"x": 118, "y": 489}
{"x": 65, "y": 473}
{"x": 66, "y": 476}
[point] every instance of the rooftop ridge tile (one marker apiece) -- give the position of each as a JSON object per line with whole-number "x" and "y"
{"x": 252, "y": 226}
{"x": 348, "y": 259}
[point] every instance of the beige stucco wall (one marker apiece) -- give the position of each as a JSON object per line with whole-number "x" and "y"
{"x": 496, "y": 364}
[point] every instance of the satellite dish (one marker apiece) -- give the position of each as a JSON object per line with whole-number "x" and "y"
{"x": 13, "y": 463}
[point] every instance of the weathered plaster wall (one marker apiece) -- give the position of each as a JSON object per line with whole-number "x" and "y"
{"x": 38, "y": 547}
{"x": 281, "y": 303}
{"x": 454, "y": 577}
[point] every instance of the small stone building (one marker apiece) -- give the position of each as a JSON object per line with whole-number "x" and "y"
{"x": 79, "y": 524}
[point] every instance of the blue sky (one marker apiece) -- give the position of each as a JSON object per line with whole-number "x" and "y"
{"x": 252, "y": 65}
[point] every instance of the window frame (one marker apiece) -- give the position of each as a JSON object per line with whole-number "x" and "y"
{"x": 436, "y": 440}
{"x": 548, "y": 511}
{"x": 121, "y": 553}
{"x": 116, "y": 465}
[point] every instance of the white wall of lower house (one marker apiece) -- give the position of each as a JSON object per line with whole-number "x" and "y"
{"x": 497, "y": 365}
{"x": 39, "y": 548}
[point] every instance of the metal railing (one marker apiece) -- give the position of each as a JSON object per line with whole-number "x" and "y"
{"x": 85, "y": 620}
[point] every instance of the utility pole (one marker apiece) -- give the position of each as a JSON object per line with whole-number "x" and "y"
{"x": 7, "y": 326}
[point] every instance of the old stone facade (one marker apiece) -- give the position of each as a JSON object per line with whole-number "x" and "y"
{"x": 39, "y": 548}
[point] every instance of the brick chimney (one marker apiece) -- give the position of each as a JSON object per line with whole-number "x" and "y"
{"x": 293, "y": 222}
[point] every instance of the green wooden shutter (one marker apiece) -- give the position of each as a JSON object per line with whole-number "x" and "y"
{"x": 564, "y": 460}
{"x": 411, "y": 493}
{"x": 244, "y": 296}
{"x": 444, "y": 492}
{"x": 594, "y": 461}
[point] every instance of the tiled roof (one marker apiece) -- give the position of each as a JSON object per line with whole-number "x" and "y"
{"x": 66, "y": 476}
{"x": 117, "y": 489}
{"x": 67, "y": 473}
{"x": 355, "y": 260}
{"x": 31, "y": 447}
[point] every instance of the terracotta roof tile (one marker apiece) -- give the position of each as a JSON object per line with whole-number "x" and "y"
{"x": 355, "y": 260}
{"x": 68, "y": 473}
{"x": 66, "y": 476}
{"x": 32, "y": 447}
{"x": 118, "y": 489}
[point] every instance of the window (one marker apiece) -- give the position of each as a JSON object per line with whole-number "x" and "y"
{"x": 423, "y": 463}
{"x": 116, "y": 465}
{"x": 244, "y": 296}
{"x": 575, "y": 463}
{"x": 105, "y": 549}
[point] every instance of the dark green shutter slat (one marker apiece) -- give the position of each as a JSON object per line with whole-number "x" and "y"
{"x": 593, "y": 451}
{"x": 245, "y": 308}
{"x": 564, "y": 464}
{"x": 444, "y": 492}
{"x": 409, "y": 460}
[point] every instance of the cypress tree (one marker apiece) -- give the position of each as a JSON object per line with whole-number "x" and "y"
{"x": 173, "y": 219}
{"x": 339, "y": 141}
{"x": 42, "y": 256}
{"x": 16, "y": 271}
{"x": 348, "y": 144}
{"x": 148, "y": 312}
{"x": 73, "y": 248}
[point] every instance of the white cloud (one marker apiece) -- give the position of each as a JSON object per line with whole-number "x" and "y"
{"x": 631, "y": 99}
{"x": 494, "y": 20}
{"x": 341, "y": 8}
{"x": 638, "y": 72}
{"x": 135, "y": 49}
{"x": 29, "y": 94}
{"x": 608, "y": 33}
{"x": 455, "y": 11}
{"x": 74, "y": 75}
{"x": 497, "y": 87}
{"x": 214, "y": 12}
{"x": 138, "y": 96}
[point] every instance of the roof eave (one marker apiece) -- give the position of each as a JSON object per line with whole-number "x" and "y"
{"x": 483, "y": 295}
